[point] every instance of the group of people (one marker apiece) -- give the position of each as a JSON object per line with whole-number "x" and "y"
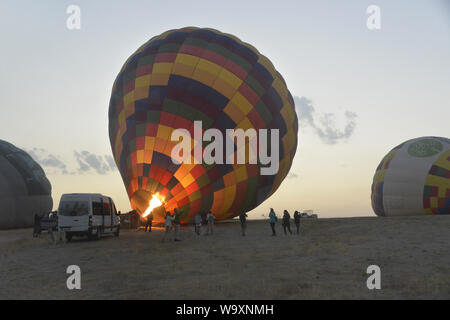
{"x": 174, "y": 220}
{"x": 286, "y": 221}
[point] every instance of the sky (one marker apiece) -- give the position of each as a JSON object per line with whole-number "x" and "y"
{"x": 358, "y": 92}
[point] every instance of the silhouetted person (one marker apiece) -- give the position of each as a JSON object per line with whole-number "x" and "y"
{"x": 272, "y": 220}
{"x": 210, "y": 223}
{"x": 287, "y": 222}
{"x": 37, "y": 225}
{"x": 297, "y": 221}
{"x": 243, "y": 219}
{"x": 149, "y": 222}
{"x": 177, "y": 222}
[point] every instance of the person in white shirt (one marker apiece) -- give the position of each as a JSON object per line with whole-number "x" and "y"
{"x": 210, "y": 220}
{"x": 168, "y": 224}
{"x": 198, "y": 223}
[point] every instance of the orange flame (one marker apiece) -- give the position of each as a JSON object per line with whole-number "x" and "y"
{"x": 155, "y": 202}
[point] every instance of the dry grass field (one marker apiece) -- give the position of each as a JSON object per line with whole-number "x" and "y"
{"x": 327, "y": 261}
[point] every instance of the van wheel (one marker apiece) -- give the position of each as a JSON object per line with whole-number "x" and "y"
{"x": 117, "y": 231}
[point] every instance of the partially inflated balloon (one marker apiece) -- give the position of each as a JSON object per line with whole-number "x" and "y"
{"x": 188, "y": 75}
{"x": 414, "y": 179}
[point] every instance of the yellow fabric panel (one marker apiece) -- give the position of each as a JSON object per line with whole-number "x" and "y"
{"x": 149, "y": 143}
{"x": 168, "y": 148}
{"x": 141, "y": 93}
{"x": 234, "y": 112}
{"x": 241, "y": 173}
{"x": 428, "y": 211}
{"x": 129, "y": 109}
{"x": 159, "y": 79}
{"x": 280, "y": 88}
{"x": 208, "y": 66}
{"x": 440, "y": 182}
{"x": 182, "y": 70}
{"x": 245, "y": 124}
{"x": 218, "y": 200}
{"x": 162, "y": 68}
{"x": 164, "y": 132}
{"x": 224, "y": 88}
{"x": 187, "y": 180}
{"x": 187, "y": 59}
{"x": 230, "y": 194}
{"x": 230, "y": 78}
{"x": 148, "y": 155}
{"x": 204, "y": 77}
{"x": 140, "y": 156}
{"x": 160, "y": 144}
{"x": 180, "y": 173}
{"x": 121, "y": 118}
{"x": 229, "y": 179}
{"x": 143, "y": 81}
{"x": 288, "y": 114}
{"x": 242, "y": 103}
{"x": 442, "y": 160}
{"x": 188, "y": 166}
{"x": 128, "y": 98}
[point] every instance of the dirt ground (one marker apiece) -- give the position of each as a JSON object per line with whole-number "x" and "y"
{"x": 327, "y": 261}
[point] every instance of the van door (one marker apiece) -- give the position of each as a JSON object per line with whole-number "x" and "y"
{"x": 73, "y": 215}
{"x": 107, "y": 215}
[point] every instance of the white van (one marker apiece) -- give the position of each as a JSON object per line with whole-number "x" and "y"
{"x": 90, "y": 214}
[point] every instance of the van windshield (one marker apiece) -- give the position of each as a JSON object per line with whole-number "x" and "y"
{"x": 73, "y": 208}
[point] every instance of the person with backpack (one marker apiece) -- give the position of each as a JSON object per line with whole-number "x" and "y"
{"x": 287, "y": 222}
{"x": 297, "y": 221}
{"x": 272, "y": 220}
{"x": 210, "y": 220}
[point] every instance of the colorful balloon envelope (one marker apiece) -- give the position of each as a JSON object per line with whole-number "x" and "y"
{"x": 414, "y": 179}
{"x": 187, "y": 75}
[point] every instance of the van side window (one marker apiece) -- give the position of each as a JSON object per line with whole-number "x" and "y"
{"x": 97, "y": 208}
{"x": 106, "y": 208}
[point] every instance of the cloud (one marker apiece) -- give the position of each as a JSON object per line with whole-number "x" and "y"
{"x": 48, "y": 160}
{"x": 324, "y": 125}
{"x": 100, "y": 164}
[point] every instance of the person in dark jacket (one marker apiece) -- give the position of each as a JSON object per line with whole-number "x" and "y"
{"x": 243, "y": 219}
{"x": 287, "y": 222}
{"x": 272, "y": 220}
{"x": 177, "y": 222}
{"x": 297, "y": 221}
{"x": 149, "y": 223}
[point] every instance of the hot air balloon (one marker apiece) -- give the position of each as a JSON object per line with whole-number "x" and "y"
{"x": 24, "y": 188}
{"x": 413, "y": 179}
{"x": 175, "y": 80}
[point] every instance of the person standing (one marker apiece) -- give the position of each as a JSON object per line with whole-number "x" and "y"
{"x": 37, "y": 225}
{"x": 210, "y": 220}
{"x": 177, "y": 222}
{"x": 287, "y": 222}
{"x": 168, "y": 225}
{"x": 297, "y": 221}
{"x": 272, "y": 219}
{"x": 149, "y": 222}
{"x": 243, "y": 219}
{"x": 197, "y": 223}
